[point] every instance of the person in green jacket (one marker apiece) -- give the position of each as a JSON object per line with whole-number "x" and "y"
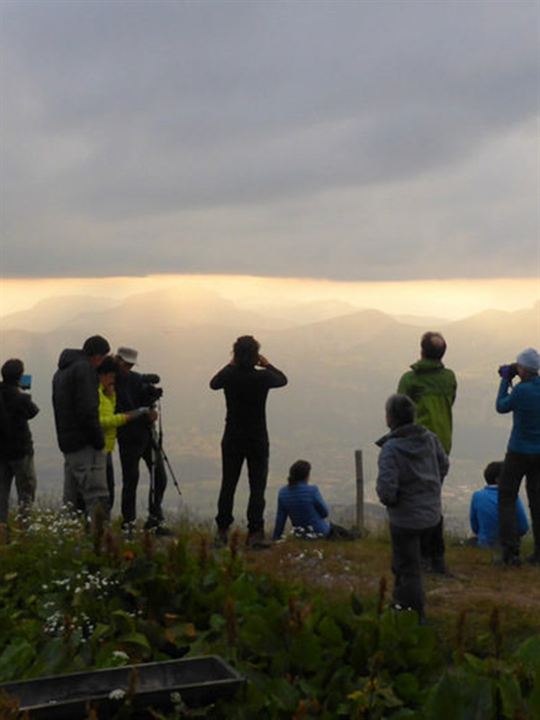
{"x": 109, "y": 419}
{"x": 432, "y": 387}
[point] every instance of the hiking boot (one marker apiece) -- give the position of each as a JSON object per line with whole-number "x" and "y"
{"x": 128, "y": 530}
{"x": 507, "y": 560}
{"x": 257, "y": 541}
{"x": 221, "y": 538}
{"x": 158, "y": 527}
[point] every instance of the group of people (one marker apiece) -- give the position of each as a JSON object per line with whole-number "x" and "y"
{"x": 99, "y": 399}
{"x": 413, "y": 462}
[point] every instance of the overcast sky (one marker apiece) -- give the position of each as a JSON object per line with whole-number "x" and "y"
{"x": 346, "y": 140}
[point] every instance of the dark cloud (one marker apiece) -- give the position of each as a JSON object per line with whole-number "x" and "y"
{"x": 155, "y": 136}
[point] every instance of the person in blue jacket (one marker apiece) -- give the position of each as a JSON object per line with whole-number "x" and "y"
{"x": 523, "y": 453}
{"x": 302, "y": 503}
{"x": 484, "y": 511}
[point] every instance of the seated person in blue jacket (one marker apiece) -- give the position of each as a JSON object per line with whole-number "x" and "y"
{"x": 484, "y": 512}
{"x": 302, "y": 503}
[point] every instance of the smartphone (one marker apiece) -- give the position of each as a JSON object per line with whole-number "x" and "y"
{"x": 25, "y": 383}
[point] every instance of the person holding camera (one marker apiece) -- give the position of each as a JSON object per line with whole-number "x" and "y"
{"x": 136, "y": 441}
{"x": 109, "y": 419}
{"x": 16, "y": 446}
{"x": 522, "y": 458}
{"x": 246, "y": 381}
{"x": 78, "y": 431}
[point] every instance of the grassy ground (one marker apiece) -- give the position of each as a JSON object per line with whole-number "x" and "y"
{"x": 461, "y": 603}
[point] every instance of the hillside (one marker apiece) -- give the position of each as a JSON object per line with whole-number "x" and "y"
{"x": 340, "y": 369}
{"x": 306, "y": 623}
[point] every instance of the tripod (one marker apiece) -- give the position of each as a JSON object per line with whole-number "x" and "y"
{"x": 159, "y": 464}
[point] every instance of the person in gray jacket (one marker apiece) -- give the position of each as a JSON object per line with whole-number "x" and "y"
{"x": 412, "y": 466}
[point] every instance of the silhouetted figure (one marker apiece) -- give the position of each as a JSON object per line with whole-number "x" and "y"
{"x": 246, "y": 381}
{"x": 16, "y": 446}
{"x": 79, "y": 433}
{"x": 109, "y": 419}
{"x": 484, "y": 510}
{"x": 412, "y": 466}
{"x": 136, "y": 443}
{"x": 432, "y": 387}
{"x": 523, "y": 453}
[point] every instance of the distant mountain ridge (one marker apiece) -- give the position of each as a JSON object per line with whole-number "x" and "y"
{"x": 341, "y": 370}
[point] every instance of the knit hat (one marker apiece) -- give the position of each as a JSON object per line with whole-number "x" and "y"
{"x": 529, "y": 359}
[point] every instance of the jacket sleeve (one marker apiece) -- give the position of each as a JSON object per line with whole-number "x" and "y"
{"x": 505, "y": 400}
{"x": 442, "y": 458}
{"x": 320, "y": 506}
{"x": 388, "y": 477}
{"x": 473, "y": 515}
{"x": 274, "y": 377}
{"x": 86, "y": 405}
{"x": 29, "y": 408}
{"x": 281, "y": 519}
{"x": 405, "y": 385}
{"x": 218, "y": 381}
{"x": 523, "y": 523}
{"x": 107, "y": 417}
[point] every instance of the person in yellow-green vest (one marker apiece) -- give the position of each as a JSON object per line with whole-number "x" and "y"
{"x": 109, "y": 419}
{"x": 432, "y": 387}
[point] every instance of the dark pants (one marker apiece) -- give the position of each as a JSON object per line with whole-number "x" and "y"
{"x": 130, "y": 457}
{"x": 432, "y": 547}
{"x": 515, "y": 467}
{"x": 110, "y": 480}
{"x": 233, "y": 454}
{"x": 408, "y": 591}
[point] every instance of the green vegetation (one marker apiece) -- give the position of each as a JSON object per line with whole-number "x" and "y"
{"x": 71, "y": 601}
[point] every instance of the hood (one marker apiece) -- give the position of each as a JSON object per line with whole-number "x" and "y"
{"x": 415, "y": 436}
{"x": 427, "y": 365}
{"x": 69, "y": 357}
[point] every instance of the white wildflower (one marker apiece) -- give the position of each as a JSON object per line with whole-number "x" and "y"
{"x": 117, "y": 694}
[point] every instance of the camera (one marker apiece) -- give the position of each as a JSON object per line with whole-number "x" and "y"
{"x": 508, "y": 371}
{"x": 151, "y": 393}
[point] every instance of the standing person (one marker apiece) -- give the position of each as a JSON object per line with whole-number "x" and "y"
{"x": 109, "y": 419}
{"x": 523, "y": 453}
{"x": 432, "y": 387}
{"x": 136, "y": 442}
{"x": 246, "y": 381}
{"x": 16, "y": 446}
{"x": 484, "y": 510}
{"x": 79, "y": 434}
{"x": 412, "y": 466}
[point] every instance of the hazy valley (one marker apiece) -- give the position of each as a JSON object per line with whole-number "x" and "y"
{"x": 342, "y": 363}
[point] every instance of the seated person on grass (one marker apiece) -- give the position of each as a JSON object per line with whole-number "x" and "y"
{"x": 304, "y": 505}
{"x": 484, "y": 512}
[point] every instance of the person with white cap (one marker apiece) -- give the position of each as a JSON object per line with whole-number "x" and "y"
{"x": 523, "y": 453}
{"x": 135, "y": 442}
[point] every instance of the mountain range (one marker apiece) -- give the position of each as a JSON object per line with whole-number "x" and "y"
{"x": 341, "y": 369}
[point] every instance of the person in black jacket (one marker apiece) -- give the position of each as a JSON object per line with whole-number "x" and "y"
{"x": 136, "y": 442}
{"x": 246, "y": 381}
{"x": 16, "y": 447}
{"x": 79, "y": 433}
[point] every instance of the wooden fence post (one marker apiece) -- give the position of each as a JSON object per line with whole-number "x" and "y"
{"x": 359, "y": 491}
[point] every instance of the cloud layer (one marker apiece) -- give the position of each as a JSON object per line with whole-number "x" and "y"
{"x": 336, "y": 139}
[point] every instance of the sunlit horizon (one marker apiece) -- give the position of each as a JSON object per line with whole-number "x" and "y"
{"x": 445, "y": 299}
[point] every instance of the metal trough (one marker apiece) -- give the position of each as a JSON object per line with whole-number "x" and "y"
{"x": 199, "y": 680}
